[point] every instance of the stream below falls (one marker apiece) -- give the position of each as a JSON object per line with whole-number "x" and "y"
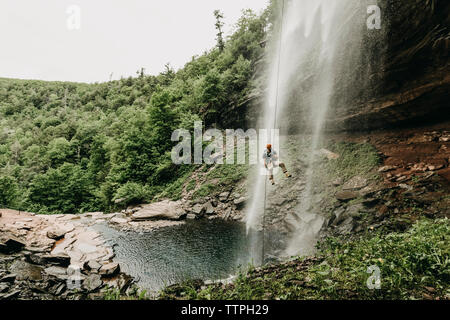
{"x": 207, "y": 250}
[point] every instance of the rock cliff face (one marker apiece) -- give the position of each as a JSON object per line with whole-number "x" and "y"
{"x": 397, "y": 75}
{"x": 409, "y": 73}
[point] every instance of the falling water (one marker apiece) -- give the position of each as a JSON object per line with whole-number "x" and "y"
{"x": 310, "y": 47}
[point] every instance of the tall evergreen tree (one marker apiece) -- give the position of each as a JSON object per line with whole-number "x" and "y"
{"x": 219, "y": 25}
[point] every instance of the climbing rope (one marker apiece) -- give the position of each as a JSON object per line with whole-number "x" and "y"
{"x": 280, "y": 41}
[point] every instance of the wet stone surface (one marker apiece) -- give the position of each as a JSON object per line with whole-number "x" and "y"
{"x": 55, "y": 257}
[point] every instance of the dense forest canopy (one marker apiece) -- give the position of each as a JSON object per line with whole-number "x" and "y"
{"x": 71, "y": 147}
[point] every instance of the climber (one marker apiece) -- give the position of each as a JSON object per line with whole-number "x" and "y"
{"x": 271, "y": 160}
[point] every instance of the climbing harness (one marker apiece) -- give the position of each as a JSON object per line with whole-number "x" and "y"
{"x": 274, "y": 126}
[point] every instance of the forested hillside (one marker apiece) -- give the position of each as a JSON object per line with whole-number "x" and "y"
{"x": 71, "y": 147}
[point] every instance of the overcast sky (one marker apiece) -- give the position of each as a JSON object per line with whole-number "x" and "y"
{"x": 42, "y": 39}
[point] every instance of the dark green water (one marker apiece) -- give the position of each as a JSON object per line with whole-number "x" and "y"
{"x": 207, "y": 250}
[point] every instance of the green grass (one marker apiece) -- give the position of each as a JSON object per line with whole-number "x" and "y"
{"x": 115, "y": 294}
{"x": 225, "y": 177}
{"x": 204, "y": 190}
{"x": 355, "y": 159}
{"x": 191, "y": 185}
{"x": 174, "y": 190}
{"x": 228, "y": 174}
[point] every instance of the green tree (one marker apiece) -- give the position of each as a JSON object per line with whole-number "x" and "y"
{"x": 59, "y": 151}
{"x": 66, "y": 189}
{"x": 219, "y": 25}
{"x": 8, "y": 192}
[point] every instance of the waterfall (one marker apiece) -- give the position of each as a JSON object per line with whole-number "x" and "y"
{"x": 312, "y": 48}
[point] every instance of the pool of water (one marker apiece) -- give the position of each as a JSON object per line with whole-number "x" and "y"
{"x": 207, "y": 250}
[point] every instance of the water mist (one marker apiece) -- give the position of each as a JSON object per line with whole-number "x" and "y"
{"x": 310, "y": 47}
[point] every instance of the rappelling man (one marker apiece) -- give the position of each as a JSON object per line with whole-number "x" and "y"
{"x": 271, "y": 160}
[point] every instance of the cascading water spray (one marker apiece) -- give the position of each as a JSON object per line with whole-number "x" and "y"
{"x": 255, "y": 216}
{"x": 322, "y": 54}
{"x": 309, "y": 47}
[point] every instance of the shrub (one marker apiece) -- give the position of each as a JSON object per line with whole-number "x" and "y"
{"x": 131, "y": 193}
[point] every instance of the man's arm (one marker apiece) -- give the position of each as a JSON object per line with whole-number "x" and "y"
{"x": 275, "y": 155}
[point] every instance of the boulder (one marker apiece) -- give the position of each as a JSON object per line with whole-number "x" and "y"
{"x": 122, "y": 282}
{"x": 10, "y": 278}
{"x": 61, "y": 247}
{"x": 92, "y": 282}
{"x": 406, "y": 186}
{"x": 367, "y": 190}
{"x": 355, "y": 183}
{"x": 11, "y": 244}
{"x": 109, "y": 269}
{"x": 209, "y": 208}
{"x": 26, "y": 271}
{"x": 346, "y": 227}
{"x": 240, "y": 203}
{"x": 34, "y": 258}
{"x": 92, "y": 266}
{"x": 198, "y": 209}
{"x": 4, "y": 287}
{"x": 118, "y": 220}
{"x": 346, "y": 195}
{"x": 402, "y": 179}
{"x": 62, "y": 260}
{"x": 371, "y": 202}
{"x": 338, "y": 182}
{"x": 191, "y": 216}
{"x": 337, "y": 217}
{"x": 238, "y": 217}
{"x": 355, "y": 210}
{"x": 164, "y": 210}
{"x": 58, "y": 289}
{"x": 386, "y": 169}
{"x": 58, "y": 272}
{"x": 224, "y": 196}
{"x": 56, "y": 234}
{"x": 22, "y": 226}
{"x": 227, "y": 214}
{"x": 117, "y": 201}
{"x": 10, "y": 295}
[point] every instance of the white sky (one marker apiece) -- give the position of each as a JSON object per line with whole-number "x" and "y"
{"x": 115, "y": 36}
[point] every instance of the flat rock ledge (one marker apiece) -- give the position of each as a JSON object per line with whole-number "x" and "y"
{"x": 166, "y": 213}
{"x": 55, "y": 257}
{"x": 164, "y": 210}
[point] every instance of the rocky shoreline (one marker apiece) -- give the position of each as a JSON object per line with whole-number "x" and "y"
{"x": 51, "y": 257}
{"x": 227, "y": 206}
{"x": 55, "y": 257}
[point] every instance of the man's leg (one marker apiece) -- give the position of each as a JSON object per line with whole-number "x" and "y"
{"x": 270, "y": 168}
{"x": 283, "y": 167}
